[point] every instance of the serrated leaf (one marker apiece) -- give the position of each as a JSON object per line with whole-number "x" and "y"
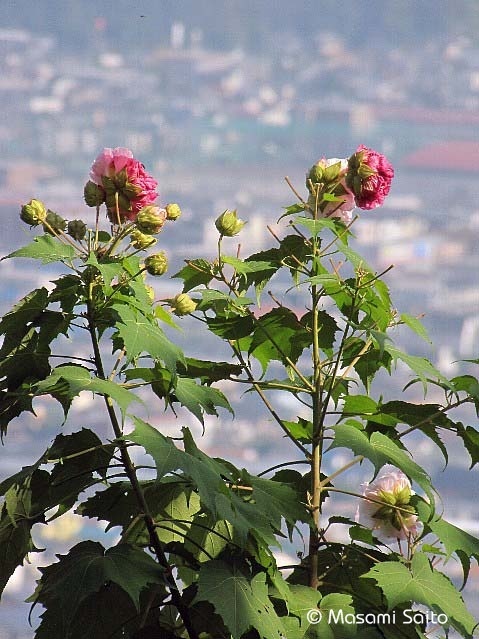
{"x": 381, "y": 450}
{"x": 195, "y": 273}
{"x": 454, "y": 540}
{"x": 47, "y": 249}
{"x": 420, "y": 366}
{"x": 84, "y": 571}
{"x": 198, "y": 399}
{"x": 422, "y": 584}
{"x": 109, "y": 267}
{"x": 279, "y": 335}
{"x": 415, "y": 325}
{"x": 139, "y": 335}
{"x": 25, "y": 311}
{"x": 68, "y": 380}
{"x": 241, "y": 600}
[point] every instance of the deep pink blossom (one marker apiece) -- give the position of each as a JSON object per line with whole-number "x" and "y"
{"x": 125, "y": 180}
{"x": 369, "y": 177}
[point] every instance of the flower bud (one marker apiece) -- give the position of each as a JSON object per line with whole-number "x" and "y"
{"x": 54, "y": 222}
{"x": 93, "y": 194}
{"x": 141, "y": 241}
{"x": 76, "y": 229}
{"x": 228, "y": 223}
{"x": 173, "y": 211}
{"x": 150, "y": 291}
{"x": 156, "y": 264}
{"x": 33, "y": 213}
{"x": 315, "y": 174}
{"x": 182, "y": 304}
{"x": 150, "y": 219}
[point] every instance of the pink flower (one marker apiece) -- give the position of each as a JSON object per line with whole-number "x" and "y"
{"x": 369, "y": 177}
{"x": 344, "y": 204}
{"x": 124, "y": 179}
{"x": 385, "y": 507}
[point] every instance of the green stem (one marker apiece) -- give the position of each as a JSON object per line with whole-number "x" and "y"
{"x": 130, "y": 470}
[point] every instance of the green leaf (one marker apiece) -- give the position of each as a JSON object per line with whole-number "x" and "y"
{"x": 302, "y": 429}
{"x": 84, "y": 571}
{"x": 241, "y": 600}
{"x": 208, "y": 371}
{"x": 195, "y": 273}
{"x": 27, "y": 310}
{"x": 381, "y": 450}
{"x": 69, "y": 380}
{"x": 454, "y": 540}
{"x": 139, "y": 335}
{"x": 420, "y": 366}
{"x": 279, "y": 335}
{"x": 199, "y": 399}
{"x": 316, "y": 226}
{"x": 108, "y": 267}
{"x": 415, "y": 325}
{"x": 47, "y": 249}
{"x": 233, "y": 328}
{"x": 18, "y": 513}
{"x": 422, "y": 584}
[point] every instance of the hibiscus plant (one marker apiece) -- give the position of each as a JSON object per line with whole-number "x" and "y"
{"x": 196, "y": 548}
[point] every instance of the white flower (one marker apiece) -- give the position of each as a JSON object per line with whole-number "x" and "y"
{"x": 385, "y": 507}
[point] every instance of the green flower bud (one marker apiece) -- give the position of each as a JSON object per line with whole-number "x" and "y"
{"x": 150, "y": 219}
{"x": 77, "y": 229}
{"x": 182, "y": 304}
{"x": 228, "y": 223}
{"x": 315, "y": 174}
{"x": 150, "y": 291}
{"x": 93, "y": 194}
{"x": 156, "y": 264}
{"x": 141, "y": 241}
{"x": 173, "y": 211}
{"x": 33, "y": 213}
{"x": 54, "y": 222}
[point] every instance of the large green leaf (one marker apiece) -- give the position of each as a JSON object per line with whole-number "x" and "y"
{"x": 86, "y": 568}
{"x": 422, "y": 367}
{"x": 18, "y": 514}
{"x": 422, "y": 584}
{"x": 279, "y": 335}
{"x": 241, "y": 600}
{"x": 25, "y": 311}
{"x": 141, "y": 335}
{"x": 68, "y": 381}
{"x": 47, "y": 249}
{"x": 195, "y": 273}
{"x": 381, "y": 450}
{"x": 454, "y": 540}
{"x": 199, "y": 399}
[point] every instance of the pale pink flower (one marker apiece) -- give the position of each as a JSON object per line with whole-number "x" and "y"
{"x": 123, "y": 178}
{"x": 369, "y": 176}
{"x": 344, "y": 206}
{"x": 342, "y": 209}
{"x": 385, "y": 508}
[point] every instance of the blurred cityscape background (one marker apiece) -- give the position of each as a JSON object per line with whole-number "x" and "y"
{"x": 221, "y": 100}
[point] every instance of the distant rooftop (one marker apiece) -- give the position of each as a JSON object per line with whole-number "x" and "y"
{"x": 460, "y": 155}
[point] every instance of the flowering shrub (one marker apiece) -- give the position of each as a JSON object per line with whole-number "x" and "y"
{"x": 195, "y": 555}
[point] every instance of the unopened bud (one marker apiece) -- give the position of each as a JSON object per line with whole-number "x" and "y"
{"x": 150, "y": 291}
{"x": 33, "y": 213}
{"x": 76, "y": 229}
{"x": 150, "y": 219}
{"x": 173, "y": 211}
{"x": 141, "y": 241}
{"x": 315, "y": 174}
{"x": 93, "y": 194}
{"x": 182, "y": 304}
{"x": 156, "y": 264}
{"x": 54, "y": 222}
{"x": 228, "y": 223}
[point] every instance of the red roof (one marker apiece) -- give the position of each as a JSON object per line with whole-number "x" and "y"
{"x": 460, "y": 155}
